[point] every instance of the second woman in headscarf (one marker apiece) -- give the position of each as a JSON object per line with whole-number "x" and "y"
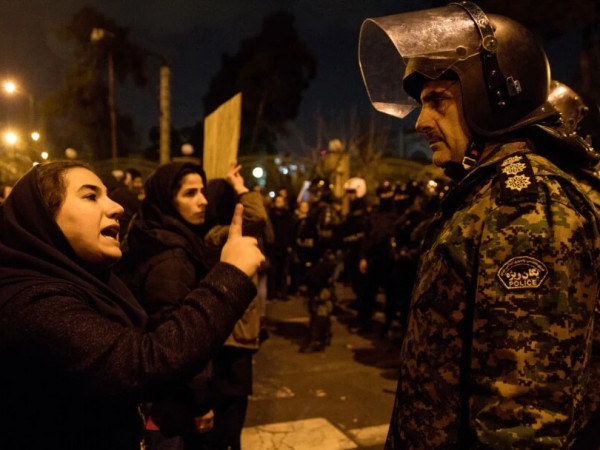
{"x": 163, "y": 262}
{"x": 165, "y": 259}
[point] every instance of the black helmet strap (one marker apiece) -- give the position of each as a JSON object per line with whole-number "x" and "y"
{"x": 500, "y": 89}
{"x": 472, "y": 154}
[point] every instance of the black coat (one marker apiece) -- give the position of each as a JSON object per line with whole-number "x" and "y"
{"x": 283, "y": 224}
{"x": 163, "y": 263}
{"x": 379, "y": 234}
{"x": 76, "y": 354}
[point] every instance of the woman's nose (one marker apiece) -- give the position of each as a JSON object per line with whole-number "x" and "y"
{"x": 115, "y": 210}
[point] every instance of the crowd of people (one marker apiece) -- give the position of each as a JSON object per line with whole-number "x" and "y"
{"x": 157, "y": 285}
{"x": 130, "y": 310}
{"x": 83, "y": 351}
{"x": 372, "y": 247}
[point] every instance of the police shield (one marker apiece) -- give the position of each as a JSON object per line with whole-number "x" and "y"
{"x": 428, "y": 42}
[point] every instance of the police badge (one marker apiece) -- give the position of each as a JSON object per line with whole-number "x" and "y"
{"x": 522, "y": 272}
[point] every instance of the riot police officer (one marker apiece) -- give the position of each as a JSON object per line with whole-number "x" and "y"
{"x": 572, "y": 150}
{"x": 322, "y": 224}
{"x": 352, "y": 232}
{"x": 508, "y": 280}
{"x": 569, "y": 146}
{"x": 377, "y": 259}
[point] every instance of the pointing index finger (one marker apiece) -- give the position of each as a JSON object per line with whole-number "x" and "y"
{"x": 235, "y": 229}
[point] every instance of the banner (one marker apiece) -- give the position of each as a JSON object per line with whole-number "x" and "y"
{"x": 222, "y": 137}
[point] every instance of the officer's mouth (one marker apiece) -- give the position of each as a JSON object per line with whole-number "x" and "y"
{"x": 434, "y": 140}
{"x": 434, "y": 145}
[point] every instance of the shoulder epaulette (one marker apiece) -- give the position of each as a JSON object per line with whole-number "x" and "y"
{"x": 517, "y": 180}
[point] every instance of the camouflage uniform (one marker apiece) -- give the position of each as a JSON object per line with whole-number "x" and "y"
{"x": 589, "y": 182}
{"x": 498, "y": 349}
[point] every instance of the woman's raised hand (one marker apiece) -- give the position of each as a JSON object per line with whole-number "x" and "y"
{"x": 235, "y": 179}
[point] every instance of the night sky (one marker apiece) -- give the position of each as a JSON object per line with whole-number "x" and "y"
{"x": 193, "y": 34}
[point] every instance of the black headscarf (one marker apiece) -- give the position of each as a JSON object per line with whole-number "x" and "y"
{"x": 35, "y": 252}
{"x": 158, "y": 225}
{"x": 221, "y": 201}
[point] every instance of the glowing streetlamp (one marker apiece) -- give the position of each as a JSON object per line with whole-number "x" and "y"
{"x": 258, "y": 172}
{"x": 11, "y": 88}
{"x": 35, "y": 136}
{"x": 44, "y": 155}
{"x": 70, "y": 153}
{"x": 187, "y": 149}
{"x": 99, "y": 34}
{"x": 96, "y": 35}
{"x": 11, "y": 138}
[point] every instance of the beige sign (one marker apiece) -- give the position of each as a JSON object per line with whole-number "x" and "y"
{"x": 221, "y": 137}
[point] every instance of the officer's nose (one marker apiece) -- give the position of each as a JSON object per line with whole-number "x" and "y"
{"x": 424, "y": 122}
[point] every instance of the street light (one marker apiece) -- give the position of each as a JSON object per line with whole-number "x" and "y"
{"x": 11, "y": 88}
{"x": 164, "y": 101}
{"x": 70, "y": 153}
{"x": 187, "y": 149}
{"x": 11, "y": 137}
{"x": 96, "y": 35}
{"x": 258, "y": 172}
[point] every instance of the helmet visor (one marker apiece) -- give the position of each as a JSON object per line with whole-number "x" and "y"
{"x": 427, "y": 42}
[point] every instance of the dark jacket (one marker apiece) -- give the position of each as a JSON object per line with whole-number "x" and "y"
{"x": 233, "y": 363}
{"x": 283, "y": 227}
{"x": 379, "y": 233}
{"x": 352, "y": 230}
{"x": 246, "y": 331}
{"x": 75, "y": 348}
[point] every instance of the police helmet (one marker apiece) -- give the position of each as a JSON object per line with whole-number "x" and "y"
{"x": 493, "y": 57}
{"x": 407, "y": 189}
{"x": 320, "y": 189}
{"x": 356, "y": 185}
{"x": 561, "y": 140}
{"x": 385, "y": 189}
{"x": 569, "y": 104}
{"x": 401, "y": 190}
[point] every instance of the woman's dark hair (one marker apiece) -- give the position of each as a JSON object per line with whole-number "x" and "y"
{"x": 221, "y": 199}
{"x": 51, "y": 182}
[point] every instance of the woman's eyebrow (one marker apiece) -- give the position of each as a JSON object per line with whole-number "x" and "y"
{"x": 92, "y": 187}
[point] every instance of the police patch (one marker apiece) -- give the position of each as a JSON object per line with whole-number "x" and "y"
{"x": 522, "y": 272}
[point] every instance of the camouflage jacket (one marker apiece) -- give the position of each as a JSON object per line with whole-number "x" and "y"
{"x": 589, "y": 182}
{"x": 498, "y": 348}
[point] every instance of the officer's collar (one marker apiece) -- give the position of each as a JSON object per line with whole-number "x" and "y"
{"x": 499, "y": 151}
{"x": 493, "y": 154}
